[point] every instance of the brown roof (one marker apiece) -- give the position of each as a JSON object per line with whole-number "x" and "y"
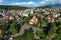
{"x": 2, "y": 19}
{"x": 0, "y": 31}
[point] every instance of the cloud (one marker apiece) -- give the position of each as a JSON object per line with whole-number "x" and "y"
{"x": 28, "y": 4}
{"x": 35, "y": 4}
{"x": 46, "y": 2}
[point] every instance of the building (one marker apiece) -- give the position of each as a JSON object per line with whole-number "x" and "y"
{"x": 33, "y": 20}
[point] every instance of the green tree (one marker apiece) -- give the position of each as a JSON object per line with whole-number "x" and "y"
{"x": 43, "y": 23}
{"x": 28, "y": 36}
{"x": 53, "y": 30}
{"x": 41, "y": 34}
{"x": 4, "y": 25}
{"x": 59, "y": 28}
{"x": 58, "y": 37}
{"x": 13, "y": 29}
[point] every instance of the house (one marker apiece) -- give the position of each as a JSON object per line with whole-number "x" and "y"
{"x": 3, "y": 18}
{"x": 49, "y": 19}
{"x": 11, "y": 18}
{"x": 56, "y": 15}
{"x": 31, "y": 12}
{"x": 20, "y": 12}
{"x": 2, "y": 11}
{"x": 46, "y": 13}
{"x": 26, "y": 13}
{"x": 33, "y": 20}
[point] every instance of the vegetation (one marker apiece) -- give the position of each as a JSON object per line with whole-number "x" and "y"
{"x": 41, "y": 34}
{"x": 13, "y": 29}
{"x": 44, "y": 7}
{"x": 58, "y": 37}
{"x": 10, "y": 7}
{"x": 28, "y": 35}
{"x": 47, "y": 30}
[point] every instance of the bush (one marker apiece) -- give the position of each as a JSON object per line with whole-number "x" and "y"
{"x": 13, "y": 29}
{"x": 28, "y": 36}
{"x": 41, "y": 34}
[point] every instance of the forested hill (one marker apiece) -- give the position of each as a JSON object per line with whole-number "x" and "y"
{"x": 44, "y": 7}
{"x": 9, "y": 7}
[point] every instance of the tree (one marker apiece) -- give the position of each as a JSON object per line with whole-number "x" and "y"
{"x": 41, "y": 34}
{"x": 59, "y": 28}
{"x": 13, "y": 29}
{"x": 28, "y": 36}
{"x": 18, "y": 26}
{"x": 1, "y": 38}
{"x": 53, "y": 30}
{"x": 58, "y": 37}
{"x": 43, "y": 23}
{"x": 4, "y": 26}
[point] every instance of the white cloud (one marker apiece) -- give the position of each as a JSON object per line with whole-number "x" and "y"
{"x": 18, "y": 3}
{"x": 35, "y": 4}
{"x": 46, "y": 2}
{"x": 28, "y": 4}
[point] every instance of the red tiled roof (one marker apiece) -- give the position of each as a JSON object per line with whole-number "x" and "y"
{"x": 2, "y": 19}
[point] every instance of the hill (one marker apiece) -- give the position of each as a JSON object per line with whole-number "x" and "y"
{"x": 56, "y": 5}
{"x": 9, "y": 7}
{"x": 44, "y": 7}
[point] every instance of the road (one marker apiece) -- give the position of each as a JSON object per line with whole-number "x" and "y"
{"x": 25, "y": 26}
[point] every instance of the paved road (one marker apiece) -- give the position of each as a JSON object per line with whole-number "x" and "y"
{"x": 25, "y": 26}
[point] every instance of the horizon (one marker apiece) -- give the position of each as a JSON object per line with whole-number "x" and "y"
{"x": 30, "y": 3}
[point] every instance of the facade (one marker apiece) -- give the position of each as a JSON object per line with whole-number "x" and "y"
{"x": 33, "y": 20}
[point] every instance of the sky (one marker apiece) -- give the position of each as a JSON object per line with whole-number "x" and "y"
{"x": 29, "y": 3}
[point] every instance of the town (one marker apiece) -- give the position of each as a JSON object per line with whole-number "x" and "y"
{"x": 30, "y": 24}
